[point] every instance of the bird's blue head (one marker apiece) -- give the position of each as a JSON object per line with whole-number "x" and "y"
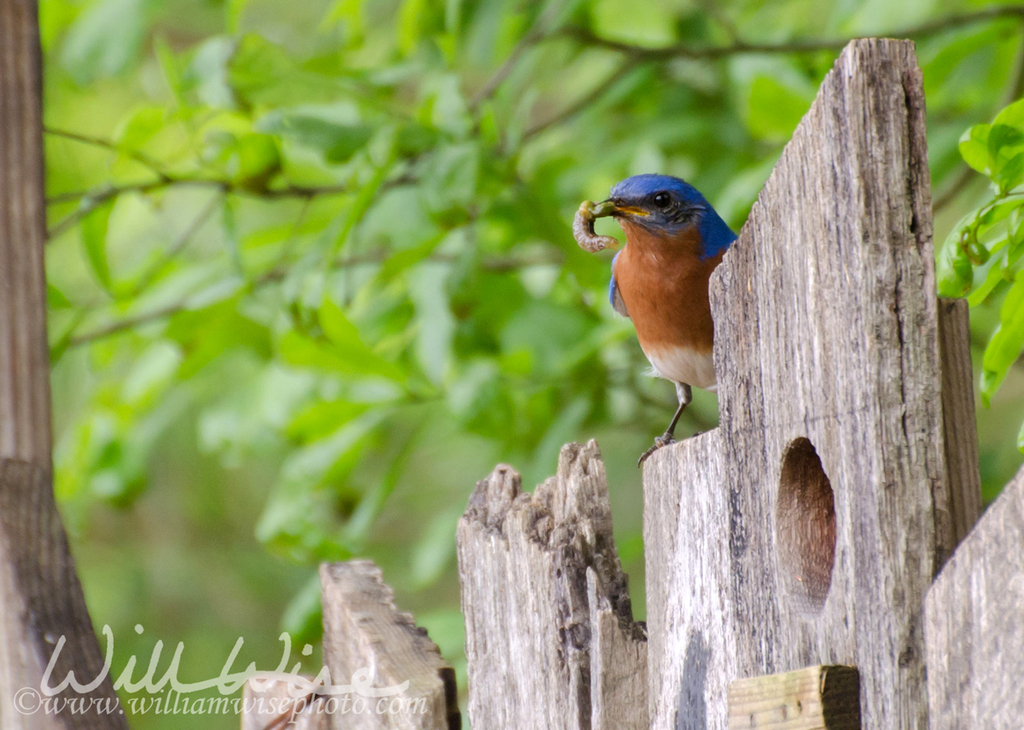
{"x": 669, "y": 206}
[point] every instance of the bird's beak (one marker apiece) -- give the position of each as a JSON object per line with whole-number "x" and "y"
{"x": 628, "y": 211}
{"x": 610, "y": 207}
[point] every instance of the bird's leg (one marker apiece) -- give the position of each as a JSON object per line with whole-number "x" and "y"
{"x": 685, "y": 396}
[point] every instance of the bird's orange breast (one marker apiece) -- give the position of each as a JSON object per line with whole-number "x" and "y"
{"x": 664, "y": 285}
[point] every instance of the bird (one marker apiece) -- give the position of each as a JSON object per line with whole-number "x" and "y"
{"x": 674, "y": 241}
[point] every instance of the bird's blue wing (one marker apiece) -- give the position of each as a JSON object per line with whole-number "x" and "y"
{"x": 613, "y": 293}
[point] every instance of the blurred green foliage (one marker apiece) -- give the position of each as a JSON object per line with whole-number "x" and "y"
{"x": 991, "y": 239}
{"x": 311, "y": 270}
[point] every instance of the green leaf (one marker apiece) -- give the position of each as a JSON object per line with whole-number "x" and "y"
{"x": 336, "y": 142}
{"x": 258, "y": 161}
{"x": 1015, "y": 248}
{"x": 169, "y": 68}
{"x": 400, "y": 261}
{"x": 233, "y": 10}
{"x": 1011, "y": 116}
{"x": 993, "y": 278}
{"x": 1020, "y": 438}
{"x": 94, "y": 243}
{"x": 207, "y": 333}
{"x": 323, "y": 417}
{"x": 303, "y": 616}
{"x": 955, "y": 272}
{"x": 55, "y": 298}
{"x": 775, "y": 108}
{"x": 974, "y": 147}
{"x": 341, "y": 352}
{"x": 436, "y": 548}
{"x": 996, "y": 214}
{"x": 410, "y": 20}
{"x": 450, "y": 178}
{"x": 1007, "y": 341}
{"x": 261, "y": 72}
{"x": 435, "y": 326}
{"x": 141, "y": 126}
{"x": 231, "y": 242}
{"x": 104, "y": 39}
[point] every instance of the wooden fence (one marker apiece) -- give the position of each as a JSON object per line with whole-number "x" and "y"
{"x": 803, "y": 568}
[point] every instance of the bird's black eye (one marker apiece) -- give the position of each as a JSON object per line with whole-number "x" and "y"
{"x": 662, "y": 200}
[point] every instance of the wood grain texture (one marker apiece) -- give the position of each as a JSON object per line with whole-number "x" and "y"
{"x": 41, "y": 603}
{"x": 25, "y": 375}
{"x": 813, "y": 698}
{"x": 40, "y": 596}
{"x": 276, "y": 705}
{"x": 826, "y": 330}
{"x": 550, "y": 638}
{"x": 618, "y": 666}
{"x": 367, "y": 640}
{"x": 964, "y": 503}
{"x": 974, "y": 623}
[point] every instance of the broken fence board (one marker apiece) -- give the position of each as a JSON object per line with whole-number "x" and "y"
{"x": 546, "y": 604}
{"x": 368, "y": 642}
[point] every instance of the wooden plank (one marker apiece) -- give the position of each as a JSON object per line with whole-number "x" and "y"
{"x": 974, "y": 623}
{"x": 806, "y": 529}
{"x": 368, "y": 642}
{"x": 41, "y": 603}
{"x": 813, "y": 698}
{"x": 618, "y": 666}
{"x": 278, "y": 705}
{"x": 549, "y": 625}
{"x": 964, "y": 504}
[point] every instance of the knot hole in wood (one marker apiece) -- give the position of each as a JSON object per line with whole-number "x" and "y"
{"x": 805, "y": 527}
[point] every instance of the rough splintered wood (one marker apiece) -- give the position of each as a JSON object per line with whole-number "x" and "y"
{"x": 825, "y": 330}
{"x": 368, "y": 641}
{"x": 814, "y": 698}
{"x": 278, "y": 705}
{"x": 550, "y": 638}
{"x": 40, "y": 597}
{"x": 974, "y": 623}
{"x": 618, "y": 666}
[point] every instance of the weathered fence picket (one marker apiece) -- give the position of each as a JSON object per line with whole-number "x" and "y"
{"x": 974, "y": 623}
{"x": 41, "y": 602}
{"x": 550, "y": 638}
{"x": 368, "y": 641}
{"x": 816, "y": 515}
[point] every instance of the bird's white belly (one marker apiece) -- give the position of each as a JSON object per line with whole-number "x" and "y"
{"x": 683, "y": 365}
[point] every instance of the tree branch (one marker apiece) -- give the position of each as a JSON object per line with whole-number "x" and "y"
{"x": 94, "y": 199}
{"x": 108, "y": 145}
{"x": 178, "y": 246}
{"x": 491, "y": 263}
{"x": 537, "y": 33}
{"x": 586, "y": 36}
{"x": 573, "y": 109}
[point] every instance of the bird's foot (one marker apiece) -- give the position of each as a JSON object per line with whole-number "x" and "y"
{"x": 659, "y": 442}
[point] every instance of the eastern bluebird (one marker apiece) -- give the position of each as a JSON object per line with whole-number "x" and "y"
{"x": 674, "y": 240}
